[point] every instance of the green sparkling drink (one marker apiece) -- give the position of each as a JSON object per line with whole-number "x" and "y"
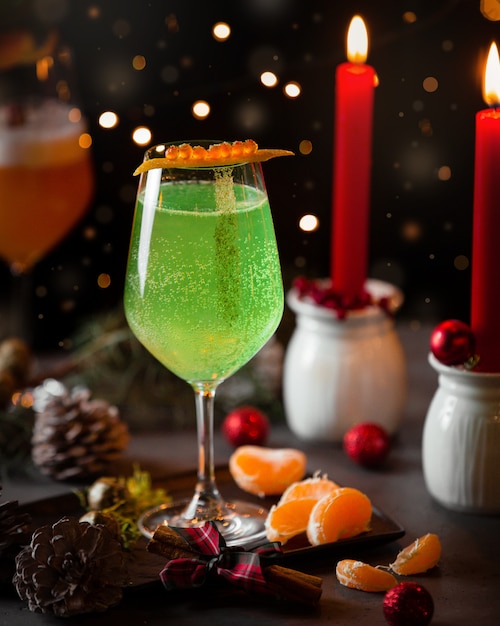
{"x": 203, "y": 293}
{"x": 209, "y": 294}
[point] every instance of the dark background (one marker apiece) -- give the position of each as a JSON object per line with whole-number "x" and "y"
{"x": 419, "y": 224}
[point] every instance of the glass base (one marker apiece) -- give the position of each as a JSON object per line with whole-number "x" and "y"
{"x": 240, "y": 523}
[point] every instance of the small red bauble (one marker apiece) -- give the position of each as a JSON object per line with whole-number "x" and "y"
{"x": 367, "y": 444}
{"x": 452, "y": 342}
{"x": 408, "y": 604}
{"x": 245, "y": 425}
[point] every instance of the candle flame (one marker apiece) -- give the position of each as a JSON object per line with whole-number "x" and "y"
{"x": 491, "y": 82}
{"x": 357, "y": 41}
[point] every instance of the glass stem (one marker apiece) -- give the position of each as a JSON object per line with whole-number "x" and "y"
{"x": 207, "y": 503}
{"x": 21, "y": 307}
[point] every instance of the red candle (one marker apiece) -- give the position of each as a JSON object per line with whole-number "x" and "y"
{"x": 485, "y": 287}
{"x": 355, "y": 83}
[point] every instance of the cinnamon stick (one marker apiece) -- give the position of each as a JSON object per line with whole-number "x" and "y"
{"x": 166, "y": 542}
{"x": 293, "y": 585}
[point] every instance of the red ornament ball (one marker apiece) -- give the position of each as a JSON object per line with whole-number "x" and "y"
{"x": 408, "y": 604}
{"x": 367, "y": 444}
{"x": 246, "y": 425}
{"x": 452, "y": 342}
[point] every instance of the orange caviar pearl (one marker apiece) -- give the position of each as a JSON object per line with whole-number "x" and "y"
{"x": 199, "y": 152}
{"x": 185, "y": 151}
{"x": 249, "y": 146}
{"x": 171, "y": 153}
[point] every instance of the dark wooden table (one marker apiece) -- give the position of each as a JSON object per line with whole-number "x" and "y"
{"x": 464, "y": 587}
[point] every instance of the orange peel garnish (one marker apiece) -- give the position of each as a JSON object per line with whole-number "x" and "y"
{"x": 217, "y": 155}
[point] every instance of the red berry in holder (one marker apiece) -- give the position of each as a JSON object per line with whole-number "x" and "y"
{"x": 367, "y": 444}
{"x": 245, "y": 425}
{"x": 452, "y": 342}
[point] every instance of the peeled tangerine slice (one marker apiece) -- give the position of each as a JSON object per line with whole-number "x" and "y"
{"x": 289, "y": 519}
{"x": 359, "y": 575}
{"x": 420, "y": 556}
{"x": 216, "y": 155}
{"x": 344, "y": 513}
{"x": 266, "y": 471}
{"x": 318, "y": 486}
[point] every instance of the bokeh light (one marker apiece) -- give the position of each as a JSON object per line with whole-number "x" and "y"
{"x": 221, "y": 31}
{"x": 108, "y": 119}
{"x": 200, "y": 109}
{"x": 292, "y": 89}
{"x": 269, "y": 79}
{"x": 141, "y": 136}
{"x": 139, "y": 62}
{"x": 309, "y": 223}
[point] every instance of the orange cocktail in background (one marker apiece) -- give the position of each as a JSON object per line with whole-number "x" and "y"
{"x": 46, "y": 180}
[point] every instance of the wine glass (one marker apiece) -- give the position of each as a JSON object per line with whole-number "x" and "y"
{"x": 203, "y": 293}
{"x": 46, "y": 173}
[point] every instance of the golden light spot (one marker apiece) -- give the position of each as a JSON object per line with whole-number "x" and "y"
{"x": 104, "y": 281}
{"x": 292, "y": 89}
{"x": 444, "y": 172}
{"x": 141, "y": 135}
{"x": 425, "y": 127}
{"x": 43, "y": 67}
{"x": 409, "y": 17}
{"x": 200, "y": 109}
{"x": 75, "y": 115}
{"x": 309, "y": 223}
{"x": 172, "y": 23}
{"x": 269, "y": 79}
{"x": 63, "y": 90}
{"x": 221, "y": 31}
{"x": 139, "y": 62}
{"x": 94, "y": 12}
{"x": 85, "y": 141}
{"x": 411, "y": 231}
{"x": 108, "y": 119}
{"x": 89, "y": 233}
{"x": 490, "y": 9}
{"x": 24, "y": 399}
{"x": 430, "y": 84}
{"x": 305, "y": 146}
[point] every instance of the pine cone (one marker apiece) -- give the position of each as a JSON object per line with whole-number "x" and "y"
{"x": 71, "y": 568}
{"x": 76, "y": 437}
{"x": 13, "y": 534}
{"x": 13, "y": 525}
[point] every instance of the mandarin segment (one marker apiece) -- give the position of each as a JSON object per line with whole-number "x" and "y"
{"x": 217, "y": 155}
{"x": 289, "y": 519}
{"x": 344, "y": 513}
{"x": 359, "y": 575}
{"x": 266, "y": 471}
{"x": 421, "y": 555}
{"x": 315, "y": 487}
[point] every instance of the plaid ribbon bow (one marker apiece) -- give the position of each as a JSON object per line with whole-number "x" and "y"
{"x": 240, "y": 568}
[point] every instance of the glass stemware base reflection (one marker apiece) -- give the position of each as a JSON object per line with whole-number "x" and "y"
{"x": 240, "y": 523}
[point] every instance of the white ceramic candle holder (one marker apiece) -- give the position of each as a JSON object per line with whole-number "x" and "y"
{"x": 340, "y": 372}
{"x": 461, "y": 440}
